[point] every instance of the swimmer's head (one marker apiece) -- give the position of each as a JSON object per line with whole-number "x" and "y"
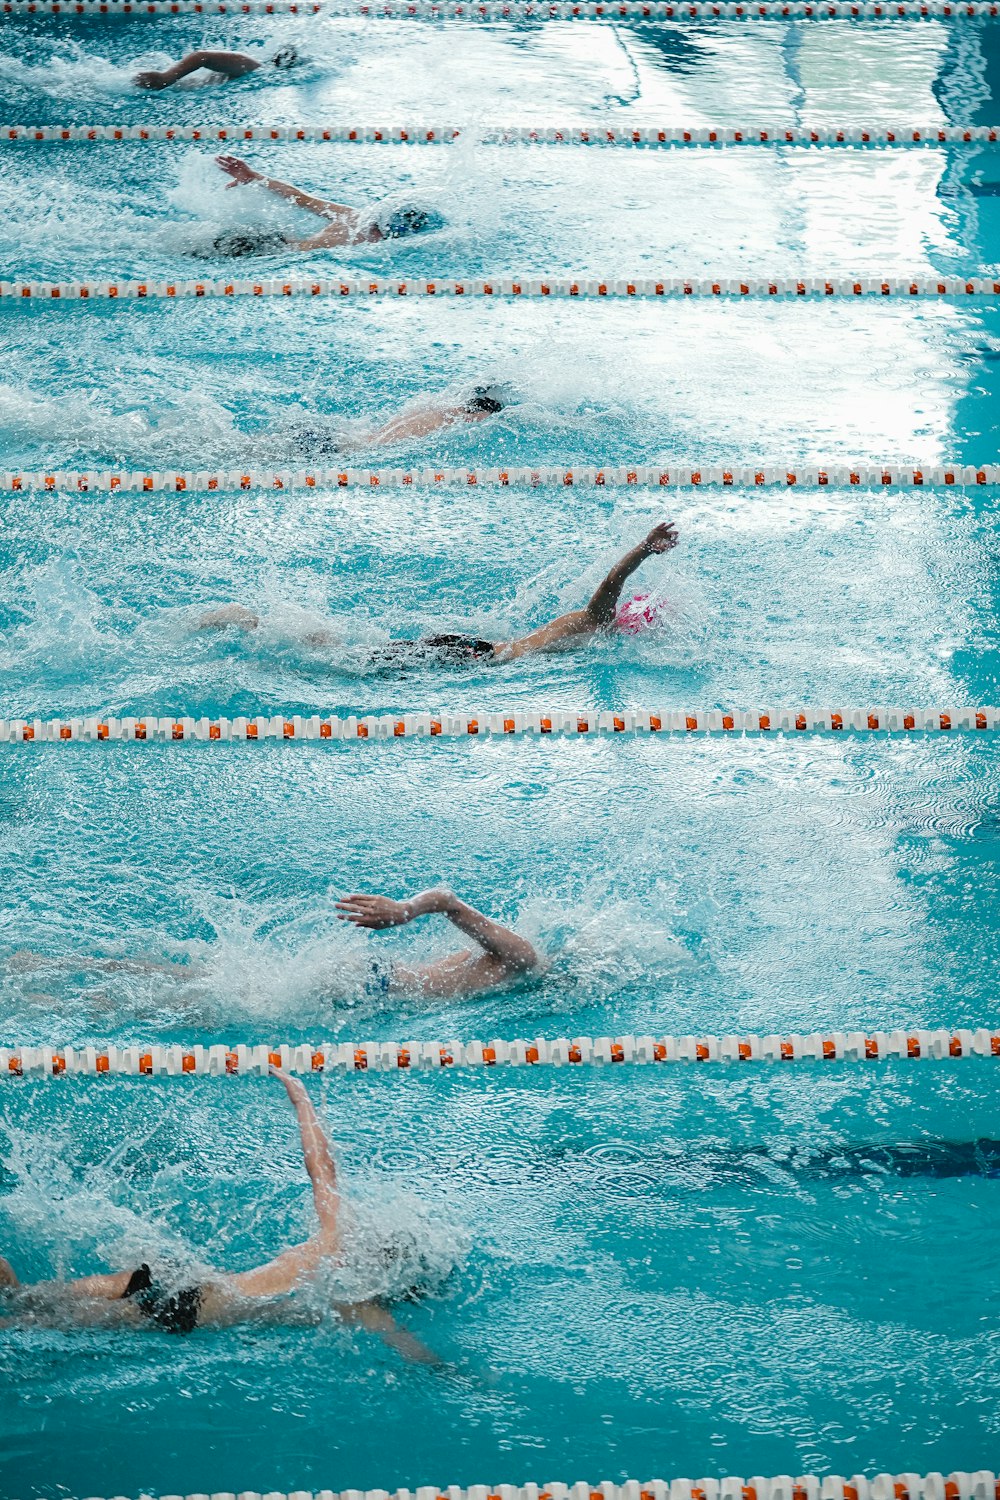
{"x": 639, "y": 613}
{"x": 487, "y": 400}
{"x": 397, "y": 221}
{"x": 287, "y": 57}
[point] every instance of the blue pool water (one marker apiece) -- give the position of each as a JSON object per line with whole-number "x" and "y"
{"x": 631, "y": 1273}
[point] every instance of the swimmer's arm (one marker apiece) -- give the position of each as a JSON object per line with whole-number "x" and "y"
{"x": 416, "y": 424}
{"x": 378, "y": 912}
{"x": 321, "y": 206}
{"x": 412, "y": 426}
{"x": 514, "y": 952}
{"x": 133, "y": 966}
{"x": 25, "y": 960}
{"x": 242, "y": 173}
{"x": 316, "y": 1152}
{"x": 601, "y": 608}
{"x": 341, "y": 221}
{"x": 550, "y": 637}
{"x": 600, "y": 612}
{"x": 598, "y": 615}
{"x": 378, "y": 1319}
{"x": 232, "y": 64}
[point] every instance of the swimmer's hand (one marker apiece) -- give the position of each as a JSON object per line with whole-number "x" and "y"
{"x": 661, "y": 539}
{"x": 379, "y": 912}
{"x": 240, "y": 171}
{"x": 376, "y": 912}
{"x": 151, "y": 80}
{"x": 294, "y": 1087}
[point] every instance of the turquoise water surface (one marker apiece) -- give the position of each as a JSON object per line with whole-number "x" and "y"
{"x": 672, "y": 1272}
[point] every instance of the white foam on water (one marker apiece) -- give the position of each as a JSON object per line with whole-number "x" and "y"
{"x": 71, "y": 72}
{"x": 65, "y": 629}
{"x": 397, "y": 1246}
{"x": 597, "y": 940}
{"x": 73, "y": 1210}
{"x": 177, "y": 429}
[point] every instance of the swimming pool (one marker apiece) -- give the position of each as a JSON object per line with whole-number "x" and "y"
{"x": 632, "y": 1271}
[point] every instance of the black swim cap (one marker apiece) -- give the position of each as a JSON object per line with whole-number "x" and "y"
{"x": 485, "y": 398}
{"x": 404, "y": 221}
{"x": 287, "y": 57}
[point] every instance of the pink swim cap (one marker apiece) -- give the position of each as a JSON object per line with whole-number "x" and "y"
{"x": 639, "y": 613}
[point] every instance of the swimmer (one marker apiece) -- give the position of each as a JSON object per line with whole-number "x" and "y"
{"x": 604, "y": 613}
{"x": 412, "y": 425}
{"x": 222, "y": 66}
{"x": 502, "y": 955}
{"x": 139, "y": 1298}
{"x": 345, "y": 226}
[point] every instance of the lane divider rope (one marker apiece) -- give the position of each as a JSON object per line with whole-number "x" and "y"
{"x": 505, "y": 10}
{"x": 980, "y": 1485}
{"x": 637, "y": 476}
{"x": 639, "y": 288}
{"x": 177, "y": 1061}
{"x": 525, "y": 135}
{"x": 595, "y": 723}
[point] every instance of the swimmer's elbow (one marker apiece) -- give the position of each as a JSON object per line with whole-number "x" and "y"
{"x": 524, "y": 958}
{"x": 598, "y": 614}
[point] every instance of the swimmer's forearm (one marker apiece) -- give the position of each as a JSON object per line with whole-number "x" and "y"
{"x": 316, "y": 1152}
{"x": 133, "y": 965}
{"x": 411, "y": 1348}
{"x": 315, "y": 1146}
{"x": 321, "y": 206}
{"x": 94, "y": 963}
{"x": 427, "y": 903}
{"x": 514, "y": 951}
{"x": 602, "y": 605}
{"x": 377, "y": 1319}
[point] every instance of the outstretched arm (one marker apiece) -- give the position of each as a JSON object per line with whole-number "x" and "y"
{"x": 600, "y": 612}
{"x": 242, "y": 174}
{"x": 378, "y": 912}
{"x": 378, "y": 1319}
{"x": 294, "y": 1265}
{"x": 604, "y": 602}
{"x": 232, "y": 64}
{"x": 316, "y": 1151}
{"x": 24, "y": 961}
{"x": 411, "y": 426}
{"x": 107, "y": 1288}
